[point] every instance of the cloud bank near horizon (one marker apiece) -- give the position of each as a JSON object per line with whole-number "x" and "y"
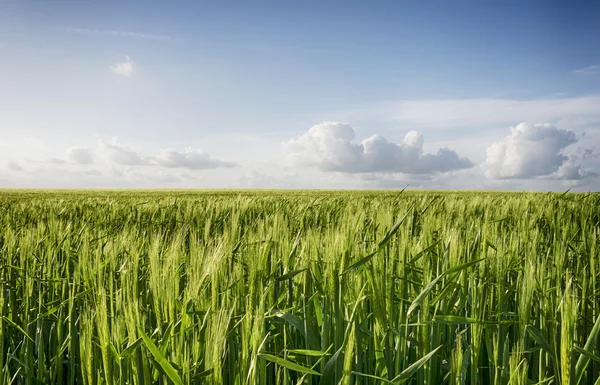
{"x": 329, "y": 146}
{"x": 329, "y": 154}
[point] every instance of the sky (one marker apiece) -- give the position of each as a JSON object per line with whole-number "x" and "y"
{"x": 300, "y": 94}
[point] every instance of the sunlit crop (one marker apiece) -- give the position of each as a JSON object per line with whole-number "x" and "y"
{"x": 226, "y": 287}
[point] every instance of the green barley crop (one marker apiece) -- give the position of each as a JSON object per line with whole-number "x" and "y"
{"x": 248, "y": 288}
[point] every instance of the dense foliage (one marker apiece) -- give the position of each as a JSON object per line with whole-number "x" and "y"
{"x": 226, "y": 287}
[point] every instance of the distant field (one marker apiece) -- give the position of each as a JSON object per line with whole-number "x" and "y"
{"x": 306, "y": 287}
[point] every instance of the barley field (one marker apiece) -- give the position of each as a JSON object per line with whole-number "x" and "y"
{"x": 299, "y": 287}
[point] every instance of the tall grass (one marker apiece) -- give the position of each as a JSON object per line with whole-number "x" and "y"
{"x": 299, "y": 287}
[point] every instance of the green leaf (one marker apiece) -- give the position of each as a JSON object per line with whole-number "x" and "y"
{"x": 393, "y": 230}
{"x": 408, "y": 372}
{"x": 289, "y": 275}
{"x": 583, "y": 360}
{"x": 131, "y": 348}
{"x": 373, "y": 377}
{"x": 14, "y": 325}
{"x": 205, "y": 373}
{"x": 307, "y": 352}
{"x": 455, "y": 319}
{"x": 465, "y": 365}
{"x": 490, "y": 244}
{"x": 294, "y": 247}
{"x": 289, "y": 364}
{"x": 431, "y": 284}
{"x": 309, "y": 335}
{"x": 458, "y": 268}
{"x": 424, "y": 251}
{"x": 423, "y": 294}
{"x": 359, "y": 263}
{"x": 587, "y": 354}
{"x": 329, "y": 371}
{"x": 161, "y": 360}
{"x": 539, "y": 338}
{"x": 545, "y": 381}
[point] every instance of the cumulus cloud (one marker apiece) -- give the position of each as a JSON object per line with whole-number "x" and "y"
{"x": 164, "y": 177}
{"x": 189, "y": 158}
{"x": 329, "y": 146}
{"x": 534, "y": 151}
{"x": 125, "y": 68}
{"x": 121, "y": 154}
{"x": 80, "y": 155}
{"x": 571, "y": 169}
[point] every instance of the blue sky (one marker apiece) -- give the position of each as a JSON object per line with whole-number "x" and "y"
{"x": 300, "y": 94}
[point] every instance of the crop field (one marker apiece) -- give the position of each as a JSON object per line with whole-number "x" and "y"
{"x": 299, "y": 287}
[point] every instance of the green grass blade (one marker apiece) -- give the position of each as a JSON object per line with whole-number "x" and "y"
{"x": 539, "y": 338}
{"x": 412, "y": 369}
{"x": 392, "y": 231}
{"x": 454, "y": 319}
{"x": 161, "y": 360}
{"x": 130, "y": 349}
{"x": 328, "y": 374}
{"x": 289, "y": 275}
{"x": 307, "y": 352}
{"x": 421, "y": 297}
{"x": 583, "y": 360}
{"x": 14, "y": 325}
{"x": 384, "y": 380}
{"x": 300, "y": 325}
{"x": 289, "y": 364}
{"x": 359, "y": 263}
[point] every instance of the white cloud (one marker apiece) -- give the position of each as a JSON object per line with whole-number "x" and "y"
{"x": 114, "y": 33}
{"x": 56, "y": 160}
{"x": 120, "y": 154}
{"x": 80, "y": 155}
{"x": 591, "y": 70}
{"x": 14, "y": 166}
{"x": 125, "y": 68}
{"x": 257, "y": 179}
{"x": 534, "y": 151}
{"x": 446, "y": 114}
{"x": 185, "y": 175}
{"x": 329, "y": 146}
{"x": 115, "y": 173}
{"x": 165, "y": 177}
{"x": 136, "y": 175}
{"x": 93, "y": 172}
{"x": 571, "y": 169}
{"x": 189, "y": 158}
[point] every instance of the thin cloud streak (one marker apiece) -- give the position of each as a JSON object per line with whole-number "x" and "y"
{"x": 482, "y": 112}
{"x": 114, "y": 33}
{"x": 591, "y": 70}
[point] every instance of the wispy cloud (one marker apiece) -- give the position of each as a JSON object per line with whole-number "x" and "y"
{"x": 485, "y": 112}
{"x": 591, "y": 70}
{"x": 124, "y": 68}
{"x": 189, "y": 158}
{"x": 114, "y": 33}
